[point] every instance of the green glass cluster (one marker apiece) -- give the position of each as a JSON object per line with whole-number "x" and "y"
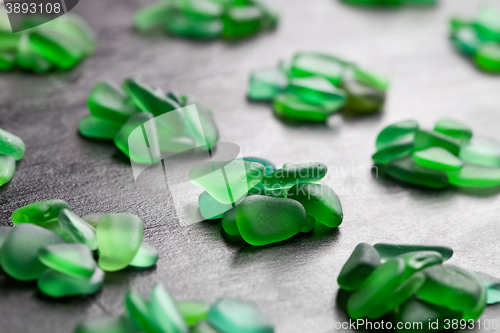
{"x": 313, "y": 86}
{"x": 479, "y": 38}
{"x": 208, "y": 19}
{"x": 390, "y": 3}
{"x": 51, "y": 244}
{"x": 12, "y": 149}
{"x": 160, "y": 313}
{"x": 115, "y": 112}
{"x": 447, "y": 155}
{"x": 412, "y": 283}
{"x": 59, "y": 44}
{"x": 260, "y": 204}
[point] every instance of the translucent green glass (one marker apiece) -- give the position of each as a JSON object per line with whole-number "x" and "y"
{"x": 374, "y": 80}
{"x": 152, "y": 15}
{"x": 418, "y": 314}
{"x": 395, "y": 134}
{"x": 362, "y": 98}
{"x": 310, "y": 224}
{"x": 71, "y": 259}
{"x": 308, "y": 64}
{"x": 95, "y": 128}
{"x": 77, "y": 229}
{"x": 466, "y": 40}
{"x": 406, "y": 170}
{"x": 11, "y": 145}
{"x": 193, "y": 311}
{"x": 116, "y": 324}
{"x": 146, "y": 256}
{"x": 492, "y": 285}
{"x": 7, "y": 168}
{"x": 7, "y": 60}
{"x": 107, "y": 101}
{"x": 228, "y": 222}
{"x": 488, "y": 57}
{"x": 391, "y": 153}
{"x": 316, "y": 90}
{"x": 362, "y": 262}
{"x": 57, "y": 48}
{"x": 183, "y": 25}
{"x": 291, "y": 107}
{"x": 165, "y": 312}
{"x": 57, "y": 284}
{"x": 139, "y": 312}
{"x": 39, "y": 212}
{"x": 438, "y": 158}
{"x": 388, "y": 251}
{"x": 242, "y": 21}
{"x": 132, "y": 143}
{"x": 266, "y": 84}
{"x": 481, "y": 151}
{"x": 27, "y": 58}
{"x": 475, "y": 176}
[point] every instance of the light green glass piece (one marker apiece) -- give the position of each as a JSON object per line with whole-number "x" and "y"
{"x": 139, "y": 312}
{"x": 108, "y": 101}
{"x": 263, "y": 220}
{"x": 182, "y": 25}
{"x": 7, "y": 60}
{"x": 241, "y": 21}
{"x": 360, "y": 265}
{"x": 418, "y": 314}
{"x": 204, "y": 327}
{"x": 388, "y": 251}
{"x": 228, "y": 222}
{"x": 487, "y": 21}
{"x": 19, "y": 255}
{"x": 316, "y": 90}
{"x": 309, "y": 64}
{"x": 466, "y": 40}
{"x": 475, "y": 176}
{"x": 95, "y": 128}
{"x": 133, "y": 143}
{"x": 291, "y": 107}
{"x": 77, "y": 229}
{"x": 320, "y": 202}
{"x": 227, "y": 182}
{"x": 57, "y": 48}
{"x": 406, "y": 170}
{"x": 395, "y": 134}
{"x": 376, "y": 289}
{"x": 93, "y": 218}
{"x": 374, "y": 80}
{"x": 115, "y": 324}
{"x": 193, "y": 311}
{"x": 118, "y": 237}
{"x": 438, "y": 158}
{"x": 39, "y": 212}
{"x": 56, "y": 284}
{"x": 481, "y": 151}
{"x": 27, "y": 58}
{"x": 453, "y": 128}
{"x": 391, "y": 153}
{"x": 7, "y": 168}
{"x": 78, "y": 31}
{"x": 310, "y": 224}
{"x": 11, "y": 145}
{"x": 362, "y": 98}
{"x": 294, "y": 174}
{"x": 146, "y": 256}
{"x": 488, "y": 57}
{"x": 165, "y": 312}
{"x": 265, "y": 84}
{"x": 75, "y": 260}
{"x": 492, "y": 285}
{"x": 229, "y": 315}
{"x": 152, "y": 16}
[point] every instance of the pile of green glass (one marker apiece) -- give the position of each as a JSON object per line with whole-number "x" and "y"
{"x": 435, "y": 158}
{"x": 115, "y": 112}
{"x": 412, "y": 283}
{"x": 12, "y": 149}
{"x": 261, "y": 205}
{"x": 58, "y": 44}
{"x": 208, "y": 19}
{"x": 479, "y": 38}
{"x": 52, "y": 245}
{"x": 313, "y": 86}
{"x": 390, "y": 2}
{"x": 160, "y": 313}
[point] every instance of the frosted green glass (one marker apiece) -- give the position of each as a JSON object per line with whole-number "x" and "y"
{"x": 316, "y": 90}
{"x": 140, "y": 313}
{"x": 391, "y": 153}
{"x": 426, "y": 139}
{"x": 375, "y": 80}
{"x": 39, "y": 212}
{"x": 95, "y": 128}
{"x": 146, "y": 256}
{"x": 388, "y": 251}
{"x": 193, "y": 311}
{"x": 481, "y": 151}
{"x": 293, "y": 174}
{"x": 77, "y": 229}
{"x": 362, "y": 98}
{"x": 210, "y": 208}
{"x": 290, "y": 107}
{"x": 394, "y": 134}
{"x": 7, "y": 168}
{"x": 27, "y": 58}
{"x": 75, "y": 260}
{"x": 132, "y": 143}
{"x": 475, "y": 176}
{"x": 488, "y": 57}
{"x": 78, "y": 31}
{"x": 165, "y": 312}
{"x": 308, "y": 64}
{"x": 310, "y": 224}
{"x": 406, "y": 170}
{"x": 491, "y": 283}
{"x": 362, "y": 262}
{"x": 418, "y": 260}
{"x": 152, "y": 15}
{"x": 7, "y": 60}
{"x": 417, "y": 313}
{"x": 57, "y": 48}
{"x": 241, "y": 21}
{"x": 228, "y": 222}
{"x": 438, "y": 158}
{"x": 265, "y": 84}
{"x": 56, "y": 284}
{"x": 11, "y": 145}
{"x": 108, "y": 101}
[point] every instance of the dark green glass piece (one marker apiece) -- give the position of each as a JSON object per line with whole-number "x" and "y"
{"x": 294, "y": 174}
{"x": 95, "y": 128}
{"x": 182, "y": 25}
{"x": 241, "y": 21}
{"x": 140, "y": 313}
{"x": 56, "y": 284}
{"x": 7, "y": 168}
{"x": 309, "y": 64}
{"x": 7, "y": 60}
{"x": 395, "y": 134}
{"x": 57, "y": 48}
{"x": 426, "y": 139}
{"x": 418, "y": 260}
{"x": 453, "y": 128}
{"x": 406, "y": 170}
{"x": 193, "y": 311}
{"x": 362, "y": 98}
{"x": 39, "y": 212}
{"x": 362, "y": 262}
{"x": 488, "y": 57}
{"x": 374, "y": 80}
{"x": 310, "y": 224}
{"x": 388, "y": 251}
{"x": 108, "y": 101}
{"x": 27, "y": 58}
{"x": 266, "y": 84}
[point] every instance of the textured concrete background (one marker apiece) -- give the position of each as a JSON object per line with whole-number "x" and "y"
{"x": 293, "y": 282}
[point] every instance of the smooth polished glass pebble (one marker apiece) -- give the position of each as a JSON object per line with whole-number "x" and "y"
{"x": 362, "y": 262}
{"x": 293, "y": 174}
{"x": 376, "y": 289}
{"x": 146, "y": 256}
{"x": 39, "y": 212}
{"x": 475, "y": 176}
{"x": 426, "y": 139}
{"x": 7, "y": 60}
{"x": 453, "y": 128}
{"x": 182, "y": 25}
{"x": 309, "y": 64}
{"x": 466, "y": 40}
{"x": 262, "y": 220}
{"x": 228, "y": 222}
{"x": 193, "y": 311}
{"x": 362, "y": 98}
{"x": 139, "y": 311}
{"x": 265, "y": 84}
{"x": 241, "y": 21}
{"x": 115, "y": 324}
{"x": 319, "y": 201}
{"x": 95, "y": 128}
{"x": 450, "y": 286}
{"x": 71, "y": 259}
{"x": 11, "y": 145}
{"x": 417, "y": 313}
{"x": 316, "y": 90}
{"x": 388, "y": 251}
{"x": 374, "y": 80}
{"x": 229, "y": 315}
{"x": 204, "y": 327}
{"x": 481, "y": 151}
{"x": 57, "y": 48}
{"x": 395, "y": 134}
{"x": 149, "y": 99}
{"x": 56, "y": 284}
{"x": 438, "y": 158}
{"x": 488, "y": 57}
{"x": 19, "y": 255}
{"x": 7, "y": 168}
{"x": 408, "y": 171}
{"x": 165, "y": 312}
{"x": 108, "y": 101}
{"x": 291, "y": 107}
{"x": 210, "y": 208}
{"x": 151, "y": 16}
{"x": 391, "y": 153}
{"x": 310, "y": 224}
{"x": 491, "y": 283}
{"x": 77, "y": 229}
{"x": 118, "y": 237}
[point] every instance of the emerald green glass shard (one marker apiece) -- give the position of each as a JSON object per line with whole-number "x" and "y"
{"x": 453, "y": 128}
{"x": 228, "y": 222}
{"x": 475, "y": 176}
{"x": 481, "y": 151}
{"x": 309, "y": 64}
{"x": 316, "y": 90}
{"x": 391, "y": 153}
{"x": 294, "y": 174}
{"x": 27, "y": 58}
{"x": 403, "y": 131}
{"x": 466, "y": 40}
{"x": 57, "y": 48}
{"x": 77, "y": 229}
{"x": 241, "y": 21}
{"x": 140, "y": 313}
{"x": 165, "y": 312}
{"x": 7, "y": 60}
{"x": 289, "y": 106}
{"x": 488, "y": 57}
{"x": 417, "y": 313}
{"x": 182, "y": 25}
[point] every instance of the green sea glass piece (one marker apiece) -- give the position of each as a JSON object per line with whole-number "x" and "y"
{"x": 77, "y": 229}
{"x": 7, "y": 60}
{"x": 152, "y": 16}
{"x": 149, "y": 99}
{"x": 408, "y": 171}
{"x": 417, "y": 314}
{"x": 78, "y": 30}
{"x": 210, "y": 133}
{"x": 241, "y": 21}
{"x": 488, "y": 57}
{"x": 310, "y": 224}
{"x": 93, "y": 218}
{"x": 27, "y": 58}
{"x": 57, "y": 48}
{"x": 193, "y": 311}
{"x": 371, "y": 79}
{"x": 39, "y": 212}
{"x": 118, "y": 237}
{"x": 7, "y": 168}
{"x": 475, "y": 176}
{"x": 438, "y": 158}
{"x": 362, "y": 262}
{"x": 183, "y": 25}
{"x": 19, "y": 255}
{"x": 376, "y": 289}
{"x": 418, "y": 260}
{"x": 426, "y": 139}
{"x": 290, "y": 107}
{"x": 146, "y": 256}
{"x": 139, "y": 311}
{"x": 266, "y": 84}
{"x": 481, "y": 151}
{"x": 395, "y": 134}
{"x": 294, "y": 174}
{"x": 204, "y": 327}
{"x": 229, "y": 181}
{"x": 478, "y": 309}
{"x": 95, "y": 128}
{"x": 491, "y": 283}
{"x": 108, "y": 101}
{"x": 202, "y": 9}
{"x": 466, "y": 40}
{"x": 165, "y": 312}
{"x": 262, "y": 220}
{"x": 362, "y": 98}
{"x": 71, "y": 259}
{"x": 309, "y": 64}
{"x": 210, "y": 208}
{"x": 56, "y": 284}
{"x": 115, "y": 324}
{"x": 391, "y": 153}
{"x": 229, "y": 315}
{"x": 316, "y": 90}
{"x": 388, "y": 251}
{"x": 228, "y": 222}
{"x": 320, "y": 202}
{"x": 11, "y": 145}
{"x": 454, "y": 129}
{"x": 487, "y": 21}
{"x": 270, "y": 16}
{"x": 450, "y": 286}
